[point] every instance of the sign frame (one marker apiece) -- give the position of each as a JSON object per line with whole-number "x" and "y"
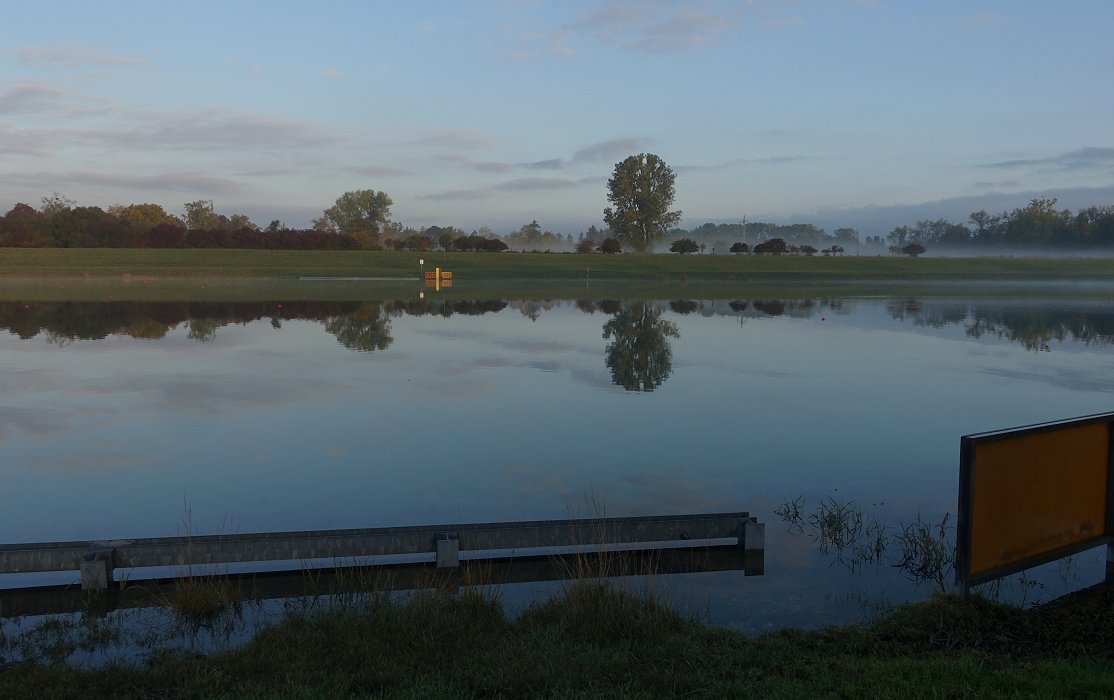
{"x": 965, "y": 578}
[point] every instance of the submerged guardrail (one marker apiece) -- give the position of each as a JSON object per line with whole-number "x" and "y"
{"x": 97, "y": 560}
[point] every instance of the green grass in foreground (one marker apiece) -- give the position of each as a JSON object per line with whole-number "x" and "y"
{"x": 481, "y": 267}
{"x": 594, "y": 641}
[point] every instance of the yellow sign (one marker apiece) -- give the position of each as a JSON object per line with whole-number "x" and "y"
{"x": 438, "y": 278}
{"x": 1032, "y": 495}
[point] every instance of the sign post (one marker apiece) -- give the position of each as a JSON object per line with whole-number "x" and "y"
{"x": 1032, "y": 495}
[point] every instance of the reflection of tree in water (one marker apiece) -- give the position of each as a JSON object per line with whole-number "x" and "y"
{"x": 203, "y": 329}
{"x": 1033, "y": 327}
{"x": 366, "y": 329}
{"x": 358, "y": 326}
{"x": 684, "y": 307}
{"x": 639, "y": 355}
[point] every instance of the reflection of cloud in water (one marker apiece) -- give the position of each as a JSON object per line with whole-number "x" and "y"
{"x": 228, "y": 393}
{"x": 38, "y": 423}
{"x": 458, "y": 388}
{"x": 485, "y": 362}
{"x": 624, "y": 494}
{"x": 544, "y": 366}
{"x": 1075, "y": 380}
{"x": 596, "y": 378}
{"x": 540, "y": 346}
{"x": 13, "y": 381}
{"x": 336, "y": 451}
{"x": 86, "y": 461}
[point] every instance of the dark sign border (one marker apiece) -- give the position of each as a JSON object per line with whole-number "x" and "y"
{"x": 964, "y": 581}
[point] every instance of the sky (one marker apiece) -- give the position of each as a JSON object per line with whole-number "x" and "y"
{"x": 861, "y": 113}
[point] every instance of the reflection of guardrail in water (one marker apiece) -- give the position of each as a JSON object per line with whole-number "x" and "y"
{"x": 55, "y": 600}
{"x": 97, "y": 560}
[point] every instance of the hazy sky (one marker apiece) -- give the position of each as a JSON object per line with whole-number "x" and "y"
{"x": 837, "y": 112}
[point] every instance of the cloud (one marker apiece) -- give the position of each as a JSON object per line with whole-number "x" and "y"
{"x": 461, "y": 139}
{"x": 491, "y": 167}
{"x": 551, "y": 164}
{"x": 149, "y": 130}
{"x": 535, "y": 184}
{"x": 377, "y": 171}
{"x": 76, "y": 58}
{"x": 331, "y": 73}
{"x": 609, "y": 150}
{"x": 169, "y": 182}
{"x": 22, "y": 142}
{"x": 220, "y": 131}
{"x": 686, "y": 30}
{"x": 23, "y": 99}
{"x": 1088, "y": 158}
{"x": 456, "y": 195}
{"x": 648, "y": 27}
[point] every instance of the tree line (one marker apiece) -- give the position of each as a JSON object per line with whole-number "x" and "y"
{"x": 640, "y": 191}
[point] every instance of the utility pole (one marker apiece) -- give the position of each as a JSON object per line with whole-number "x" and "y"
{"x": 745, "y": 242}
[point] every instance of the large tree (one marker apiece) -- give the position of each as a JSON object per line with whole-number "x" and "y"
{"x": 361, "y": 214}
{"x": 641, "y": 192}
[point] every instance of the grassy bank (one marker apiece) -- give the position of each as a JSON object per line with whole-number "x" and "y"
{"x": 593, "y": 641}
{"x": 478, "y": 267}
{"x": 208, "y": 275}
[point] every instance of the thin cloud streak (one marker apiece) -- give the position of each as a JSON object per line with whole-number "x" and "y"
{"x": 76, "y": 58}
{"x": 1080, "y": 159}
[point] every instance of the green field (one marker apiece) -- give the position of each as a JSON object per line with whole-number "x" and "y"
{"x": 475, "y": 267}
{"x": 243, "y": 275}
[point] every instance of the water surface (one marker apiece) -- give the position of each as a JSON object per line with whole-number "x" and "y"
{"x": 162, "y": 418}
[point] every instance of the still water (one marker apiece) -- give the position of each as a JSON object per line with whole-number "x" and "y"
{"x": 153, "y": 419}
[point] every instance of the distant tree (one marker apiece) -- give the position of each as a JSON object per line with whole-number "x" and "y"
{"x": 143, "y": 216}
{"x": 585, "y": 246}
{"x": 23, "y": 227}
{"x": 594, "y": 234}
{"x": 774, "y": 246}
{"x": 641, "y": 190}
{"x": 846, "y": 235}
{"x": 275, "y": 226}
{"x": 55, "y": 204}
{"x": 610, "y": 245}
{"x": 684, "y": 245}
{"x": 900, "y": 236}
{"x": 238, "y": 221}
{"x": 808, "y": 250}
{"x": 201, "y": 215}
{"x": 913, "y": 249}
{"x": 361, "y": 214}
{"x": 86, "y": 227}
{"x": 739, "y": 248}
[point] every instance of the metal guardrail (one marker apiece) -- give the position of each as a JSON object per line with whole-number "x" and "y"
{"x": 97, "y": 559}
{"x": 55, "y": 600}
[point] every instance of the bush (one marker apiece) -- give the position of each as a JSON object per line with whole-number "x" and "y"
{"x": 684, "y": 245}
{"x": 610, "y": 245}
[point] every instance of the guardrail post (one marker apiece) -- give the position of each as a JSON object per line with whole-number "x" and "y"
{"x": 752, "y": 541}
{"x": 448, "y": 550}
{"x": 96, "y": 570}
